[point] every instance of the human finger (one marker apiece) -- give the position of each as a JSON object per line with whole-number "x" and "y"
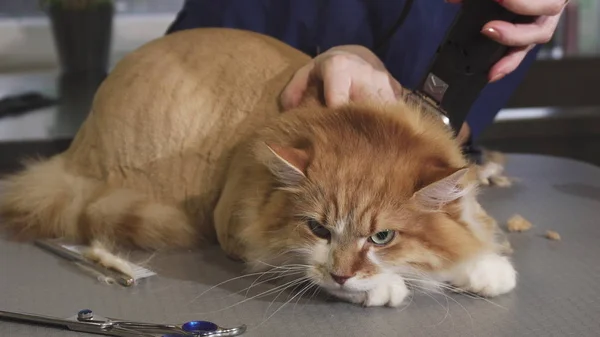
{"x": 508, "y": 63}
{"x": 529, "y": 7}
{"x": 366, "y": 83}
{"x": 396, "y": 87}
{"x": 534, "y": 7}
{"x": 336, "y": 86}
{"x": 292, "y": 93}
{"x": 385, "y": 87}
{"x": 518, "y": 35}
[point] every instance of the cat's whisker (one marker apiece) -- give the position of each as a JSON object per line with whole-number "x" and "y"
{"x": 273, "y": 301}
{"x": 281, "y": 292}
{"x": 285, "y": 266}
{"x": 282, "y": 270}
{"x": 437, "y": 284}
{"x": 478, "y": 297}
{"x": 275, "y": 254}
{"x": 463, "y": 307}
{"x": 455, "y": 301}
{"x": 471, "y": 295}
{"x": 306, "y": 289}
{"x": 282, "y": 275}
{"x": 412, "y": 296}
{"x": 445, "y": 286}
{"x": 281, "y": 307}
{"x": 446, "y": 308}
{"x": 229, "y": 280}
{"x": 315, "y": 292}
{"x": 264, "y": 293}
{"x": 421, "y": 279}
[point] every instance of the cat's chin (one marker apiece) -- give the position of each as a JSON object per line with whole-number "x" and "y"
{"x": 352, "y": 286}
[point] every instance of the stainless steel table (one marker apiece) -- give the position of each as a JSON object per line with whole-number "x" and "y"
{"x": 558, "y": 293}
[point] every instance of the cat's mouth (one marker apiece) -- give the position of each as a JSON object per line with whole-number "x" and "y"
{"x": 357, "y": 285}
{"x": 321, "y": 276}
{"x": 350, "y": 285}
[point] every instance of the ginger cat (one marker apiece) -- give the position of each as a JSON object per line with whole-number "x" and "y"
{"x": 186, "y": 145}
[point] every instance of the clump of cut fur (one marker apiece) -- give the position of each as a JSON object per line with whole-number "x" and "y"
{"x": 101, "y": 254}
{"x": 552, "y": 235}
{"x": 518, "y": 223}
{"x": 174, "y": 160}
{"x": 491, "y": 171}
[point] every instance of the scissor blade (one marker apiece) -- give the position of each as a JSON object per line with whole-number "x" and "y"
{"x": 31, "y": 318}
{"x": 63, "y": 323}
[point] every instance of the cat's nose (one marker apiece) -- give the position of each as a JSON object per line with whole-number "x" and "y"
{"x": 339, "y": 278}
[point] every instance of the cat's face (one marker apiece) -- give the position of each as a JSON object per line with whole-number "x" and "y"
{"x": 349, "y": 238}
{"x": 358, "y": 207}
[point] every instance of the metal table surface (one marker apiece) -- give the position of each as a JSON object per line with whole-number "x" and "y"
{"x": 558, "y": 293}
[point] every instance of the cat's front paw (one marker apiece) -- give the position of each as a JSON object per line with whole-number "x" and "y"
{"x": 390, "y": 291}
{"x": 490, "y": 275}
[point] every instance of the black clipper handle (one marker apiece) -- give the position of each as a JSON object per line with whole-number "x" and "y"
{"x": 464, "y": 58}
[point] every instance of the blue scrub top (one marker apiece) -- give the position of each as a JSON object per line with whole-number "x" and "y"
{"x": 317, "y": 25}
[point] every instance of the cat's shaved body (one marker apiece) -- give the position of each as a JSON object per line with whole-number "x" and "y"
{"x": 186, "y": 142}
{"x": 160, "y": 129}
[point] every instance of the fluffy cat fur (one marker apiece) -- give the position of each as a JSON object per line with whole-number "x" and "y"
{"x": 186, "y": 145}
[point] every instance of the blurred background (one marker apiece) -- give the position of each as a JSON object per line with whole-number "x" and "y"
{"x": 46, "y": 85}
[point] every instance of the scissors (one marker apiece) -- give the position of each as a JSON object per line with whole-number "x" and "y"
{"x": 87, "y": 321}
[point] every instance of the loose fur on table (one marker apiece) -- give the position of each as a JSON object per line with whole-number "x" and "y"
{"x": 186, "y": 145}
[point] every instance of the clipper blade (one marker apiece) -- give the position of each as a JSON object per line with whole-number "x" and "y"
{"x": 425, "y": 104}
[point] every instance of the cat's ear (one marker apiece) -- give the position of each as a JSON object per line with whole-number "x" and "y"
{"x": 288, "y": 163}
{"x": 442, "y": 191}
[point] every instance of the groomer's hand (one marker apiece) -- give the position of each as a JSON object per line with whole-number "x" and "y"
{"x": 348, "y": 73}
{"x": 522, "y": 37}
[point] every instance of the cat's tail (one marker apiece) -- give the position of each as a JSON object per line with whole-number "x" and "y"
{"x": 46, "y": 200}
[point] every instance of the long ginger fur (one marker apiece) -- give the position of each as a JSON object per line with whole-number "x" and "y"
{"x": 186, "y": 144}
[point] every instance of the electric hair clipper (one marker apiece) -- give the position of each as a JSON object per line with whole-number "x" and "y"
{"x": 459, "y": 70}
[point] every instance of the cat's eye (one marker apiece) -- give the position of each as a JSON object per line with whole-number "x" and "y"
{"x": 383, "y": 237}
{"x": 318, "y": 229}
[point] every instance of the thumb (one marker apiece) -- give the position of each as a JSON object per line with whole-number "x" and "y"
{"x": 295, "y": 89}
{"x": 397, "y": 88}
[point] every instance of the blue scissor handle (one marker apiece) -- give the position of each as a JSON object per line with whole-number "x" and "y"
{"x": 206, "y": 329}
{"x": 200, "y": 326}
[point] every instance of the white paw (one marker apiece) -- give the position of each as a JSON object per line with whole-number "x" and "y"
{"x": 490, "y": 275}
{"x": 390, "y": 291}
